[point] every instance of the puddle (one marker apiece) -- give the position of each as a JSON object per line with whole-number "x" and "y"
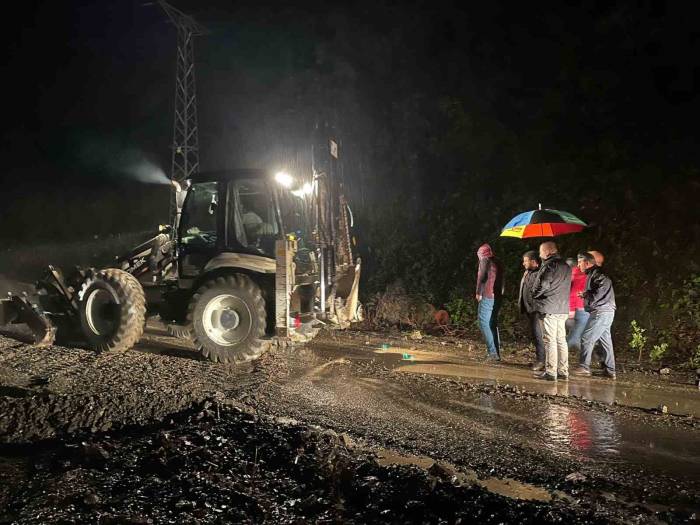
{"x": 589, "y": 434}
{"x": 507, "y": 487}
{"x": 575, "y": 432}
{"x": 515, "y": 489}
{"x": 389, "y": 457}
{"x": 416, "y": 355}
{"x": 681, "y": 400}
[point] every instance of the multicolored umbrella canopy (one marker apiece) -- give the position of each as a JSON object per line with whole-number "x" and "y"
{"x": 542, "y": 223}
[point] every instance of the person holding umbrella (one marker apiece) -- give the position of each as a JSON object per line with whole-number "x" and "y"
{"x": 550, "y": 293}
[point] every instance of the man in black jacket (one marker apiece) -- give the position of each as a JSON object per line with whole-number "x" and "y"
{"x": 550, "y": 292}
{"x": 531, "y": 263}
{"x": 599, "y": 301}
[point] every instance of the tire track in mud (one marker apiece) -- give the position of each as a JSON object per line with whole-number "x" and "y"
{"x": 483, "y": 429}
{"x": 56, "y": 391}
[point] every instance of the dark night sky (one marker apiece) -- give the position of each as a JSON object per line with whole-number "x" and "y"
{"x": 91, "y": 83}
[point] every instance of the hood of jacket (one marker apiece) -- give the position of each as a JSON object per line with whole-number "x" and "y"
{"x": 484, "y": 252}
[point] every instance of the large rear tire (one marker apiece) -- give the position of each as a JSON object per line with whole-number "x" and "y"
{"x": 112, "y": 310}
{"x": 227, "y": 319}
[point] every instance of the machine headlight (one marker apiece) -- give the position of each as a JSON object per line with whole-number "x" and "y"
{"x": 284, "y": 179}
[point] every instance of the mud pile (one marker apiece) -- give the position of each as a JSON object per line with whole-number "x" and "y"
{"x": 397, "y": 308}
{"x": 50, "y": 392}
{"x": 221, "y": 464}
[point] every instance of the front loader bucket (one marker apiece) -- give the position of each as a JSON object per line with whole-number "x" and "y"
{"x": 18, "y": 310}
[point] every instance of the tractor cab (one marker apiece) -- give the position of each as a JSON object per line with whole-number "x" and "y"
{"x": 228, "y": 212}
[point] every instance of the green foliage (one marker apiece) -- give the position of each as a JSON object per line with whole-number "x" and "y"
{"x": 685, "y": 313}
{"x": 658, "y": 351}
{"x": 462, "y": 312}
{"x": 638, "y": 340}
{"x": 694, "y": 360}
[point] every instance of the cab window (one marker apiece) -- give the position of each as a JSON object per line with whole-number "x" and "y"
{"x": 198, "y": 222}
{"x": 252, "y": 219}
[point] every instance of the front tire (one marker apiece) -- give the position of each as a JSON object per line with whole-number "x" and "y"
{"x": 179, "y": 331}
{"x": 227, "y": 319}
{"x": 112, "y": 310}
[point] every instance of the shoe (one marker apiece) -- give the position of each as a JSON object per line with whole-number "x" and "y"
{"x": 545, "y": 376}
{"x": 492, "y": 359}
{"x": 563, "y": 377}
{"x": 581, "y": 371}
{"x": 537, "y": 366}
{"x": 609, "y": 374}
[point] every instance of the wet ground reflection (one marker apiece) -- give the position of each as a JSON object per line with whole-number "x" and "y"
{"x": 680, "y": 399}
{"x": 580, "y": 432}
{"x": 572, "y": 431}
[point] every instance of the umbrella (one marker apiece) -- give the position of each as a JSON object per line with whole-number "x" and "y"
{"x": 542, "y": 223}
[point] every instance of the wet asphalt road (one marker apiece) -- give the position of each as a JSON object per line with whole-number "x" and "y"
{"x": 592, "y": 441}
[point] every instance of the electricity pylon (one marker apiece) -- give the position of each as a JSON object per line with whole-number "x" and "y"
{"x": 185, "y": 145}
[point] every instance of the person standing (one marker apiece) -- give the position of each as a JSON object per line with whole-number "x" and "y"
{"x": 577, "y": 312}
{"x": 489, "y": 292}
{"x": 550, "y": 292}
{"x": 531, "y": 263}
{"x": 599, "y": 257}
{"x": 599, "y": 302}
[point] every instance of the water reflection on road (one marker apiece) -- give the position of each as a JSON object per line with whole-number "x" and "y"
{"x": 585, "y": 433}
{"x": 567, "y": 430}
{"x": 580, "y": 432}
{"x": 679, "y": 399}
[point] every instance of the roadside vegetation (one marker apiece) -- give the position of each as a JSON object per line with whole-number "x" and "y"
{"x": 646, "y": 227}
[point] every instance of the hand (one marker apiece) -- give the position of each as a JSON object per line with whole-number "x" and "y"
{"x": 571, "y": 314}
{"x": 478, "y": 297}
{"x": 580, "y": 294}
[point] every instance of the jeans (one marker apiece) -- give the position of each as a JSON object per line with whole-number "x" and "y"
{"x": 488, "y": 323}
{"x": 556, "y": 351}
{"x": 598, "y": 329}
{"x": 536, "y": 331}
{"x": 580, "y": 319}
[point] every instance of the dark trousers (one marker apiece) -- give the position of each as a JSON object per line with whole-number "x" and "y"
{"x": 536, "y": 332}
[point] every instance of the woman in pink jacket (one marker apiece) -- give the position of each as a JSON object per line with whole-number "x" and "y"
{"x": 577, "y": 314}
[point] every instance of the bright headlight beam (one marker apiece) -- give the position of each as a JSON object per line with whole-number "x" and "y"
{"x": 285, "y": 179}
{"x": 306, "y": 190}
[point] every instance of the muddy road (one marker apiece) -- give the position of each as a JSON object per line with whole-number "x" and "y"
{"x": 410, "y": 423}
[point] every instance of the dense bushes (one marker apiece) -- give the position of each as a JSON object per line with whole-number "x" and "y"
{"x": 651, "y": 254}
{"x": 642, "y": 217}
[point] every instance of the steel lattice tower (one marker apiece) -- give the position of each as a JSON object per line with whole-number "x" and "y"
{"x": 185, "y": 130}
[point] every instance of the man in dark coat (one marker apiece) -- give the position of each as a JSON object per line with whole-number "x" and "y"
{"x": 531, "y": 263}
{"x": 599, "y": 301}
{"x": 550, "y": 292}
{"x": 489, "y": 291}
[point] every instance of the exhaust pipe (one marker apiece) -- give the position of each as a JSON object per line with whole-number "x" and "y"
{"x": 180, "y": 195}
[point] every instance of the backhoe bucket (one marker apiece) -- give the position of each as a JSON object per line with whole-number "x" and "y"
{"x": 18, "y": 310}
